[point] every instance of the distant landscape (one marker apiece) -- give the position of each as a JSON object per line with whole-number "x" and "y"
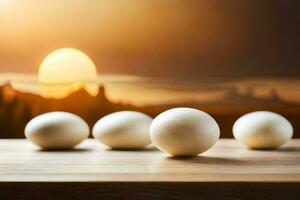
{"x": 18, "y": 107}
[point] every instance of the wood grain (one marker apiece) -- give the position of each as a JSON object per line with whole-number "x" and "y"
{"x": 228, "y": 167}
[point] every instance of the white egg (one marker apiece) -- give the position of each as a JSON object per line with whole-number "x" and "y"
{"x": 184, "y": 131}
{"x": 57, "y": 130}
{"x": 123, "y": 130}
{"x": 262, "y": 130}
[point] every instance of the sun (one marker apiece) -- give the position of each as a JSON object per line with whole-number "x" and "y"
{"x": 66, "y": 70}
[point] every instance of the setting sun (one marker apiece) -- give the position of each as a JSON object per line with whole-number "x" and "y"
{"x": 66, "y": 70}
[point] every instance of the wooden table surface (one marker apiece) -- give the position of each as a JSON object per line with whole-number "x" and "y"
{"x": 228, "y": 169}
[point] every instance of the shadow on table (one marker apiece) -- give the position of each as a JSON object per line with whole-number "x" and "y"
{"x": 206, "y": 159}
{"x": 64, "y": 150}
{"x": 282, "y": 149}
{"x": 288, "y": 149}
{"x": 150, "y": 148}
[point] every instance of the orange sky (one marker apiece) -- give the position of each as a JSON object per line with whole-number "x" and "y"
{"x": 159, "y": 37}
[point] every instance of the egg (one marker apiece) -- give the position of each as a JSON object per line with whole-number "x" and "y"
{"x": 56, "y": 130}
{"x": 123, "y": 130}
{"x": 262, "y": 130}
{"x": 184, "y": 131}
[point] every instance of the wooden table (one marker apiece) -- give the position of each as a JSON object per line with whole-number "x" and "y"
{"x": 227, "y": 171}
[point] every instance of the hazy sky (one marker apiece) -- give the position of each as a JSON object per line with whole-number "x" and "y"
{"x": 197, "y": 38}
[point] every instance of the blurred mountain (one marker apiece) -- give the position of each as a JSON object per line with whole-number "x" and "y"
{"x": 17, "y": 108}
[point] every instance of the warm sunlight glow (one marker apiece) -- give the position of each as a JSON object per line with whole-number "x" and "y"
{"x": 66, "y": 70}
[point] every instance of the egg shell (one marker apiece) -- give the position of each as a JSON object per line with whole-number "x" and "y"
{"x": 123, "y": 130}
{"x": 184, "y": 131}
{"x": 262, "y": 130}
{"x": 56, "y": 130}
